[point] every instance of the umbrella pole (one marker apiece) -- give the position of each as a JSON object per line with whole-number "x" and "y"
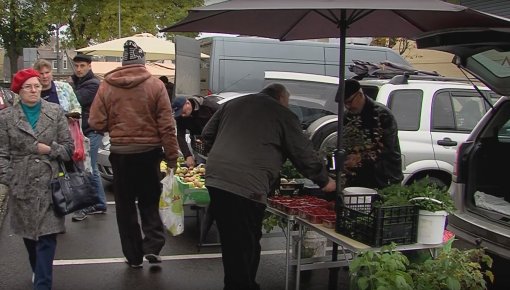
{"x": 339, "y": 154}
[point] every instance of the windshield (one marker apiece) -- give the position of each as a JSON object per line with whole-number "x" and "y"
{"x": 309, "y": 100}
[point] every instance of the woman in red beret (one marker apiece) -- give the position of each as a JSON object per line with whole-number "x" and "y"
{"x": 33, "y": 135}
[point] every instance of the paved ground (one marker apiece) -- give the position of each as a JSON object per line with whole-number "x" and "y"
{"x": 89, "y": 257}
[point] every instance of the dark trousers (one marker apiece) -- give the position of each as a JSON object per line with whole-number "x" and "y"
{"x": 137, "y": 177}
{"x": 41, "y": 254}
{"x": 239, "y": 222}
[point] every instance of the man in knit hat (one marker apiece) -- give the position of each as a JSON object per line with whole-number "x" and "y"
{"x": 134, "y": 108}
{"x": 371, "y": 141}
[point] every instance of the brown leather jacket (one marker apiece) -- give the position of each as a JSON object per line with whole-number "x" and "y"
{"x": 133, "y": 106}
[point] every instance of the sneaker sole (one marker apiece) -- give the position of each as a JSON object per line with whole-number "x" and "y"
{"x": 153, "y": 259}
{"x": 75, "y": 219}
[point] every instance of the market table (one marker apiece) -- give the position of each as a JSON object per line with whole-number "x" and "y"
{"x": 289, "y": 221}
{"x": 347, "y": 245}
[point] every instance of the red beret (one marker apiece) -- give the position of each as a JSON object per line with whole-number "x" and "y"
{"x": 21, "y": 77}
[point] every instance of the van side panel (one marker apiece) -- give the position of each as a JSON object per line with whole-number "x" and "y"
{"x": 187, "y": 59}
{"x": 238, "y": 63}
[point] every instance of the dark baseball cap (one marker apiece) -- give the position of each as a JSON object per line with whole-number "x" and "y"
{"x": 82, "y": 57}
{"x": 177, "y": 106}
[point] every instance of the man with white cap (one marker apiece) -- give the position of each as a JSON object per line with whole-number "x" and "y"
{"x": 134, "y": 108}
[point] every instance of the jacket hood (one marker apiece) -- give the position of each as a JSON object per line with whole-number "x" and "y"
{"x": 127, "y": 76}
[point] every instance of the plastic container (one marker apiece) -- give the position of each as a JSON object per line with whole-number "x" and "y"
{"x": 329, "y": 222}
{"x": 431, "y": 227}
{"x": 380, "y": 226}
{"x": 359, "y": 198}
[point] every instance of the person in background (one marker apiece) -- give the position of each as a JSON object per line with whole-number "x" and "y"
{"x": 134, "y": 108}
{"x": 34, "y": 135}
{"x": 191, "y": 114}
{"x": 249, "y": 139}
{"x": 85, "y": 85}
{"x": 6, "y": 98}
{"x": 56, "y": 91}
{"x": 371, "y": 141}
{"x": 169, "y": 87}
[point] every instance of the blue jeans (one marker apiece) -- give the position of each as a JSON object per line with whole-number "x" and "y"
{"x": 95, "y": 142}
{"x": 41, "y": 254}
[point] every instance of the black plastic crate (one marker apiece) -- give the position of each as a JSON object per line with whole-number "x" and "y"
{"x": 380, "y": 226}
{"x": 198, "y": 146}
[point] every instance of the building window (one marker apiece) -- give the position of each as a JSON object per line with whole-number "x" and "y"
{"x": 64, "y": 64}
{"x": 54, "y": 62}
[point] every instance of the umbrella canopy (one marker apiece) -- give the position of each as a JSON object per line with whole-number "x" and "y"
{"x": 154, "y": 48}
{"x": 305, "y": 19}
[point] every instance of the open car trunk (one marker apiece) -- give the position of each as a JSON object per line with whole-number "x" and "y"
{"x": 481, "y": 184}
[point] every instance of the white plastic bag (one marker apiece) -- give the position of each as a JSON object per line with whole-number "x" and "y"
{"x": 170, "y": 206}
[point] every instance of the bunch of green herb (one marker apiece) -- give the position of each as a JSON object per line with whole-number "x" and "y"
{"x": 380, "y": 270}
{"x": 454, "y": 270}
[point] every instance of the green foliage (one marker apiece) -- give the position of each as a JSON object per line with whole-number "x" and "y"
{"x": 397, "y": 194}
{"x": 270, "y": 221}
{"x": 289, "y": 171}
{"x": 386, "y": 269}
{"x": 96, "y": 21}
{"x": 23, "y": 24}
{"x": 454, "y": 270}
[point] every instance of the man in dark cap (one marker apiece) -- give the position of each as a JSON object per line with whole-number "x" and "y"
{"x": 371, "y": 141}
{"x": 191, "y": 114}
{"x": 134, "y": 108}
{"x": 85, "y": 85}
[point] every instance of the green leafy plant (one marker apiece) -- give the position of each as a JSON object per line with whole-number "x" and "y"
{"x": 380, "y": 270}
{"x": 454, "y": 269}
{"x": 426, "y": 195}
{"x": 270, "y": 221}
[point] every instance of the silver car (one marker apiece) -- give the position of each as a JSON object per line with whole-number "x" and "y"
{"x": 480, "y": 187}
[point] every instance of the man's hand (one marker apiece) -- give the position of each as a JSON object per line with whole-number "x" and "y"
{"x": 190, "y": 161}
{"x": 331, "y": 186}
{"x": 43, "y": 148}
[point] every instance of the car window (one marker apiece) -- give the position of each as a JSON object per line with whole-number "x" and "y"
{"x": 442, "y": 112}
{"x": 406, "y": 106}
{"x": 468, "y": 111}
{"x": 457, "y": 110}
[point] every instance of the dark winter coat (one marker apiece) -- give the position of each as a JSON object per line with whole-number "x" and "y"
{"x": 203, "y": 109}
{"x": 85, "y": 89}
{"x": 28, "y": 173}
{"x": 251, "y": 137}
{"x": 373, "y": 135}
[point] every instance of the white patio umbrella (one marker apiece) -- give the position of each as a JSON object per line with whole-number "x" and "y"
{"x": 155, "y": 48}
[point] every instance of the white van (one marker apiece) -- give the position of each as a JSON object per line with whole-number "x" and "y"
{"x": 237, "y": 64}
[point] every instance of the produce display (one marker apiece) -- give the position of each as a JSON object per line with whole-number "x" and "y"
{"x": 194, "y": 176}
{"x": 311, "y": 208}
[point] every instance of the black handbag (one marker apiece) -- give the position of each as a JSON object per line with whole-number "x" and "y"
{"x": 72, "y": 190}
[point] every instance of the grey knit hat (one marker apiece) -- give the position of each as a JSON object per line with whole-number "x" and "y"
{"x": 133, "y": 54}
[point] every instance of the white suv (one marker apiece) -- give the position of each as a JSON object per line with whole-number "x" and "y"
{"x": 433, "y": 116}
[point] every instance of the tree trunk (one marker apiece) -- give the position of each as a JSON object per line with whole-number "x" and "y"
{"x": 13, "y": 59}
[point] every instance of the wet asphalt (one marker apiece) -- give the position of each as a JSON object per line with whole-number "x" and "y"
{"x": 89, "y": 257}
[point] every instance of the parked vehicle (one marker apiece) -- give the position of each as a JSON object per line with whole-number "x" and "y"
{"x": 433, "y": 115}
{"x": 480, "y": 187}
{"x": 237, "y": 64}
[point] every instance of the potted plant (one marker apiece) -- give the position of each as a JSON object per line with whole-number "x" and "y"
{"x": 454, "y": 269}
{"x": 386, "y": 269}
{"x": 435, "y": 204}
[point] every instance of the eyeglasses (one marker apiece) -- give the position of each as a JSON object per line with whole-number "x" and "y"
{"x": 349, "y": 101}
{"x": 28, "y": 88}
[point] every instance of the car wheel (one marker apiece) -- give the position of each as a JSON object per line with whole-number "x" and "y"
{"x": 326, "y": 137}
{"x": 437, "y": 182}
